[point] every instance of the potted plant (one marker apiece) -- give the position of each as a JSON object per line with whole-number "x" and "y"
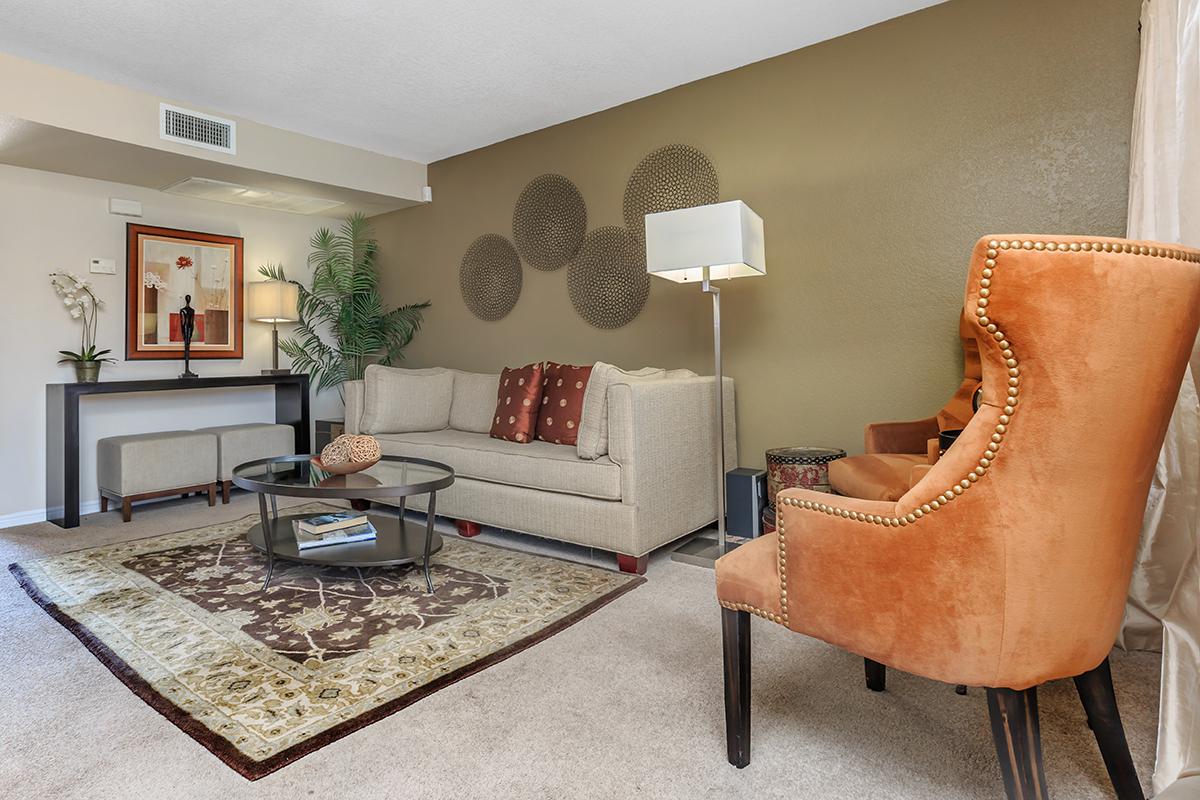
{"x": 82, "y": 304}
{"x": 343, "y": 323}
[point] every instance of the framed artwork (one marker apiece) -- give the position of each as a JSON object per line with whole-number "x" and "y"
{"x": 163, "y": 267}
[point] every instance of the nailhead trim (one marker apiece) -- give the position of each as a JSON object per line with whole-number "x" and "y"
{"x": 995, "y": 248}
{"x": 758, "y": 612}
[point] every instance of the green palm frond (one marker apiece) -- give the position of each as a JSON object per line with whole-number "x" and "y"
{"x": 344, "y": 325}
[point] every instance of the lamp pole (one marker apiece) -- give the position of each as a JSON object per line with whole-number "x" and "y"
{"x": 708, "y": 288}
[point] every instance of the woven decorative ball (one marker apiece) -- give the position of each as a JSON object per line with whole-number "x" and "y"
{"x": 364, "y": 448}
{"x": 335, "y": 453}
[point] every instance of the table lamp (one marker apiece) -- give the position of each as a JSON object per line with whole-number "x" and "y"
{"x": 705, "y": 244}
{"x": 273, "y": 302}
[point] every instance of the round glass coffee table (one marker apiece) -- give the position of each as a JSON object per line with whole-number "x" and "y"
{"x": 393, "y": 479}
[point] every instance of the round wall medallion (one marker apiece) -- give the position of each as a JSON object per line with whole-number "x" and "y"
{"x": 549, "y": 222}
{"x": 489, "y": 277}
{"x": 607, "y": 281}
{"x": 675, "y": 176}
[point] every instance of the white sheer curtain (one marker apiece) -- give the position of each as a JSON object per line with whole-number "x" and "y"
{"x": 1164, "y": 205}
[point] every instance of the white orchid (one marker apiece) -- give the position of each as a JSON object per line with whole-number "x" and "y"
{"x": 81, "y": 303}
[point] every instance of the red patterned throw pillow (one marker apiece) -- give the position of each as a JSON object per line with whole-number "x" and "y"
{"x": 563, "y": 386}
{"x": 517, "y": 403}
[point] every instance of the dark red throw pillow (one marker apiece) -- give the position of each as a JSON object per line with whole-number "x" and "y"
{"x": 517, "y": 403}
{"x": 563, "y": 386}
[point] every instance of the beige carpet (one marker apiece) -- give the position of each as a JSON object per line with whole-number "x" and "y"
{"x": 626, "y": 703}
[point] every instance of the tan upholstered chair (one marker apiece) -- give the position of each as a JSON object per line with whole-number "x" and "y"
{"x": 896, "y": 454}
{"x": 1007, "y": 565}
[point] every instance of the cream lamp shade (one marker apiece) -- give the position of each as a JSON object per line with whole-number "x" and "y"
{"x": 724, "y": 238}
{"x": 272, "y": 301}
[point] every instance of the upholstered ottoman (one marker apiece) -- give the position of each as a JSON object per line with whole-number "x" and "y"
{"x": 237, "y": 444}
{"x": 146, "y": 465}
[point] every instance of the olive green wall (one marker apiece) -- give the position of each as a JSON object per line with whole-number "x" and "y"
{"x": 875, "y": 160}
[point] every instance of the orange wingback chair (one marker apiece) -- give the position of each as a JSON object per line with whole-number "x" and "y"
{"x": 896, "y": 453}
{"x": 1007, "y": 565}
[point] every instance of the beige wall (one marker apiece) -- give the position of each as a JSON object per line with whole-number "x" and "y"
{"x": 49, "y": 222}
{"x": 876, "y": 160}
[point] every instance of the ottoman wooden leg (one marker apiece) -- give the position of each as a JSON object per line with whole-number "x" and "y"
{"x": 633, "y": 564}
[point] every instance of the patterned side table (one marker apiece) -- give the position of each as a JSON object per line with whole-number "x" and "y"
{"x": 797, "y": 467}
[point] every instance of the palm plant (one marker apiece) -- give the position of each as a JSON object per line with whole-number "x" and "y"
{"x": 343, "y": 326}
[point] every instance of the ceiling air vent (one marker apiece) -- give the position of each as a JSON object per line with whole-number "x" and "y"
{"x": 199, "y": 130}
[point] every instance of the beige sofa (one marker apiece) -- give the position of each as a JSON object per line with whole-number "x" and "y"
{"x": 655, "y": 483}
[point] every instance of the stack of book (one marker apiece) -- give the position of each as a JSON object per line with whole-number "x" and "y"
{"x": 328, "y": 529}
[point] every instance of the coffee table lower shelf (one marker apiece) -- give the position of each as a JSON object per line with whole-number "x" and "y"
{"x": 397, "y": 543}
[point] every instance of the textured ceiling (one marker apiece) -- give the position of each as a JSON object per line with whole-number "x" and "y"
{"x": 419, "y": 79}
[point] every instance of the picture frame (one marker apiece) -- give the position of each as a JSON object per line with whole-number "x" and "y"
{"x": 162, "y": 267}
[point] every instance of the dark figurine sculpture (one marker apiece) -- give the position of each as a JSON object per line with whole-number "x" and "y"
{"x": 187, "y": 326}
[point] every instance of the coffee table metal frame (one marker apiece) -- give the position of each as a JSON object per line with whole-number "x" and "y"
{"x": 271, "y": 524}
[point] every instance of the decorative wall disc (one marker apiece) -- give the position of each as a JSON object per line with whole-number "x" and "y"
{"x": 489, "y": 277}
{"x": 549, "y": 222}
{"x": 607, "y": 281}
{"x": 675, "y": 176}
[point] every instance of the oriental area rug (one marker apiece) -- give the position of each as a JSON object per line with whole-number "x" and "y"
{"x": 263, "y": 678}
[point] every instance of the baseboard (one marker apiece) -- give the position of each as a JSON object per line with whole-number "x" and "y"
{"x": 39, "y": 514}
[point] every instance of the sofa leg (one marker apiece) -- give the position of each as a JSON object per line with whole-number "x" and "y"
{"x": 467, "y": 529}
{"x": 212, "y": 495}
{"x": 1100, "y": 702}
{"x": 1018, "y": 739}
{"x": 635, "y": 565}
{"x": 876, "y": 675}
{"x": 126, "y": 509}
{"x": 225, "y": 487}
{"x": 103, "y": 504}
{"x": 735, "y": 630}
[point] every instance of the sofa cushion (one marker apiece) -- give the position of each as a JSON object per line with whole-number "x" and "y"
{"x": 517, "y": 401}
{"x": 592, "y": 441}
{"x": 402, "y": 400}
{"x": 875, "y": 476}
{"x": 563, "y": 387}
{"x": 536, "y": 465}
{"x": 474, "y": 401}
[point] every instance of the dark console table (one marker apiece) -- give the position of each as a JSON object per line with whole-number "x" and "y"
{"x": 62, "y": 426}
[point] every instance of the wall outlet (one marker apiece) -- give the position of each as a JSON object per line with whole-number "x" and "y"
{"x": 103, "y": 266}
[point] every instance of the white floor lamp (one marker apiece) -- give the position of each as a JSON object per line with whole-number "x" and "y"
{"x": 705, "y": 244}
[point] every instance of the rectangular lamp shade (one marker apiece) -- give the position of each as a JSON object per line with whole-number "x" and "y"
{"x": 726, "y": 238}
{"x": 272, "y": 301}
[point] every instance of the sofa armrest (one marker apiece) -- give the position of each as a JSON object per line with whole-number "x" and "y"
{"x": 662, "y": 435}
{"x": 352, "y": 396}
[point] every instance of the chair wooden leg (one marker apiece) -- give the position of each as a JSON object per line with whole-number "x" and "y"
{"x": 212, "y": 495}
{"x": 225, "y": 487}
{"x": 126, "y": 509}
{"x": 735, "y": 629}
{"x": 1100, "y": 702}
{"x": 876, "y": 675}
{"x": 103, "y": 504}
{"x": 1018, "y": 739}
